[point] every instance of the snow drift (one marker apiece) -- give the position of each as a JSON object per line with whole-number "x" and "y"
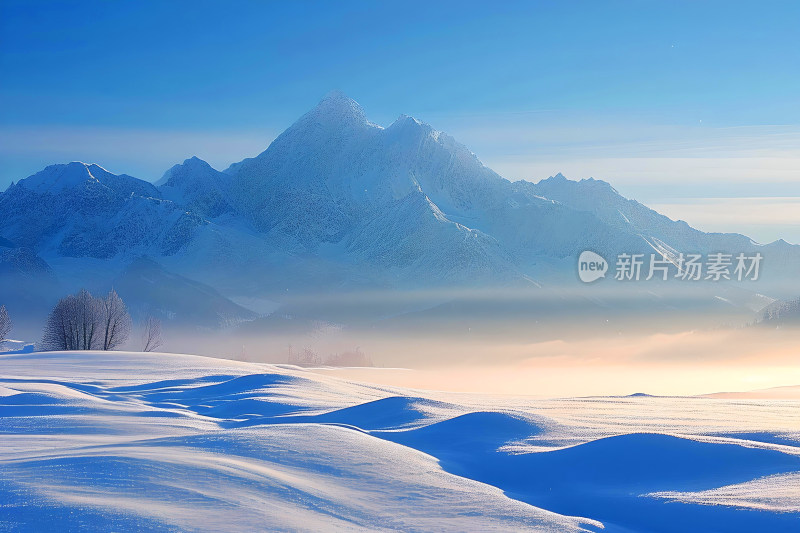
{"x": 129, "y": 442}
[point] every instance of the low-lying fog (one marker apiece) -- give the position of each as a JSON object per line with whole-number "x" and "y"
{"x": 550, "y": 343}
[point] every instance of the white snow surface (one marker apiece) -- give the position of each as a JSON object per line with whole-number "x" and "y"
{"x": 118, "y": 441}
{"x": 779, "y": 493}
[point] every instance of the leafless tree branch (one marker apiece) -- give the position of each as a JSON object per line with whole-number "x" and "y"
{"x": 151, "y": 334}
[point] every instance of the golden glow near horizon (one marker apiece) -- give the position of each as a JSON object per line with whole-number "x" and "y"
{"x": 686, "y": 363}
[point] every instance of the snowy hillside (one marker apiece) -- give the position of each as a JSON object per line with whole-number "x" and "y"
{"x": 130, "y": 442}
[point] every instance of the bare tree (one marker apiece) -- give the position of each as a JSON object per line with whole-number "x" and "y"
{"x": 83, "y": 322}
{"x": 5, "y": 325}
{"x": 116, "y": 321}
{"x": 74, "y": 324}
{"x": 89, "y": 322}
{"x": 151, "y": 334}
{"x": 57, "y": 333}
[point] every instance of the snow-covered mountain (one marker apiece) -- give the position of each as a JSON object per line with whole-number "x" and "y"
{"x": 79, "y": 210}
{"x": 339, "y": 202}
{"x": 197, "y": 187}
{"x": 405, "y": 201}
{"x": 604, "y": 202}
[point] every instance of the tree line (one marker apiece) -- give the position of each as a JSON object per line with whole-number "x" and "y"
{"x": 81, "y": 321}
{"x": 308, "y": 357}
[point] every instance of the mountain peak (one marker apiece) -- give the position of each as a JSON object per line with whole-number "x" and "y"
{"x": 336, "y": 94}
{"x": 195, "y": 162}
{"x": 557, "y": 179}
{"x": 599, "y": 185}
{"x": 55, "y": 178}
{"x": 407, "y": 120}
{"x": 406, "y": 126}
{"x": 566, "y": 184}
{"x": 191, "y": 168}
{"x": 336, "y": 117}
{"x": 196, "y": 185}
{"x": 337, "y": 108}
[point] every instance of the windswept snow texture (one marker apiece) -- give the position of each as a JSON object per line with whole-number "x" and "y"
{"x": 136, "y": 442}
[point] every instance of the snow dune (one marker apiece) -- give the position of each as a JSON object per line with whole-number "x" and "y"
{"x": 136, "y": 442}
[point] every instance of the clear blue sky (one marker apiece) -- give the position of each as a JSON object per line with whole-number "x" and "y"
{"x": 632, "y": 92}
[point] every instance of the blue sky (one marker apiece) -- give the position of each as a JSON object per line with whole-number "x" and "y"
{"x": 674, "y": 103}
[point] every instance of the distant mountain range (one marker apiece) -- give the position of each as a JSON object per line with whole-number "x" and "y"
{"x": 335, "y": 203}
